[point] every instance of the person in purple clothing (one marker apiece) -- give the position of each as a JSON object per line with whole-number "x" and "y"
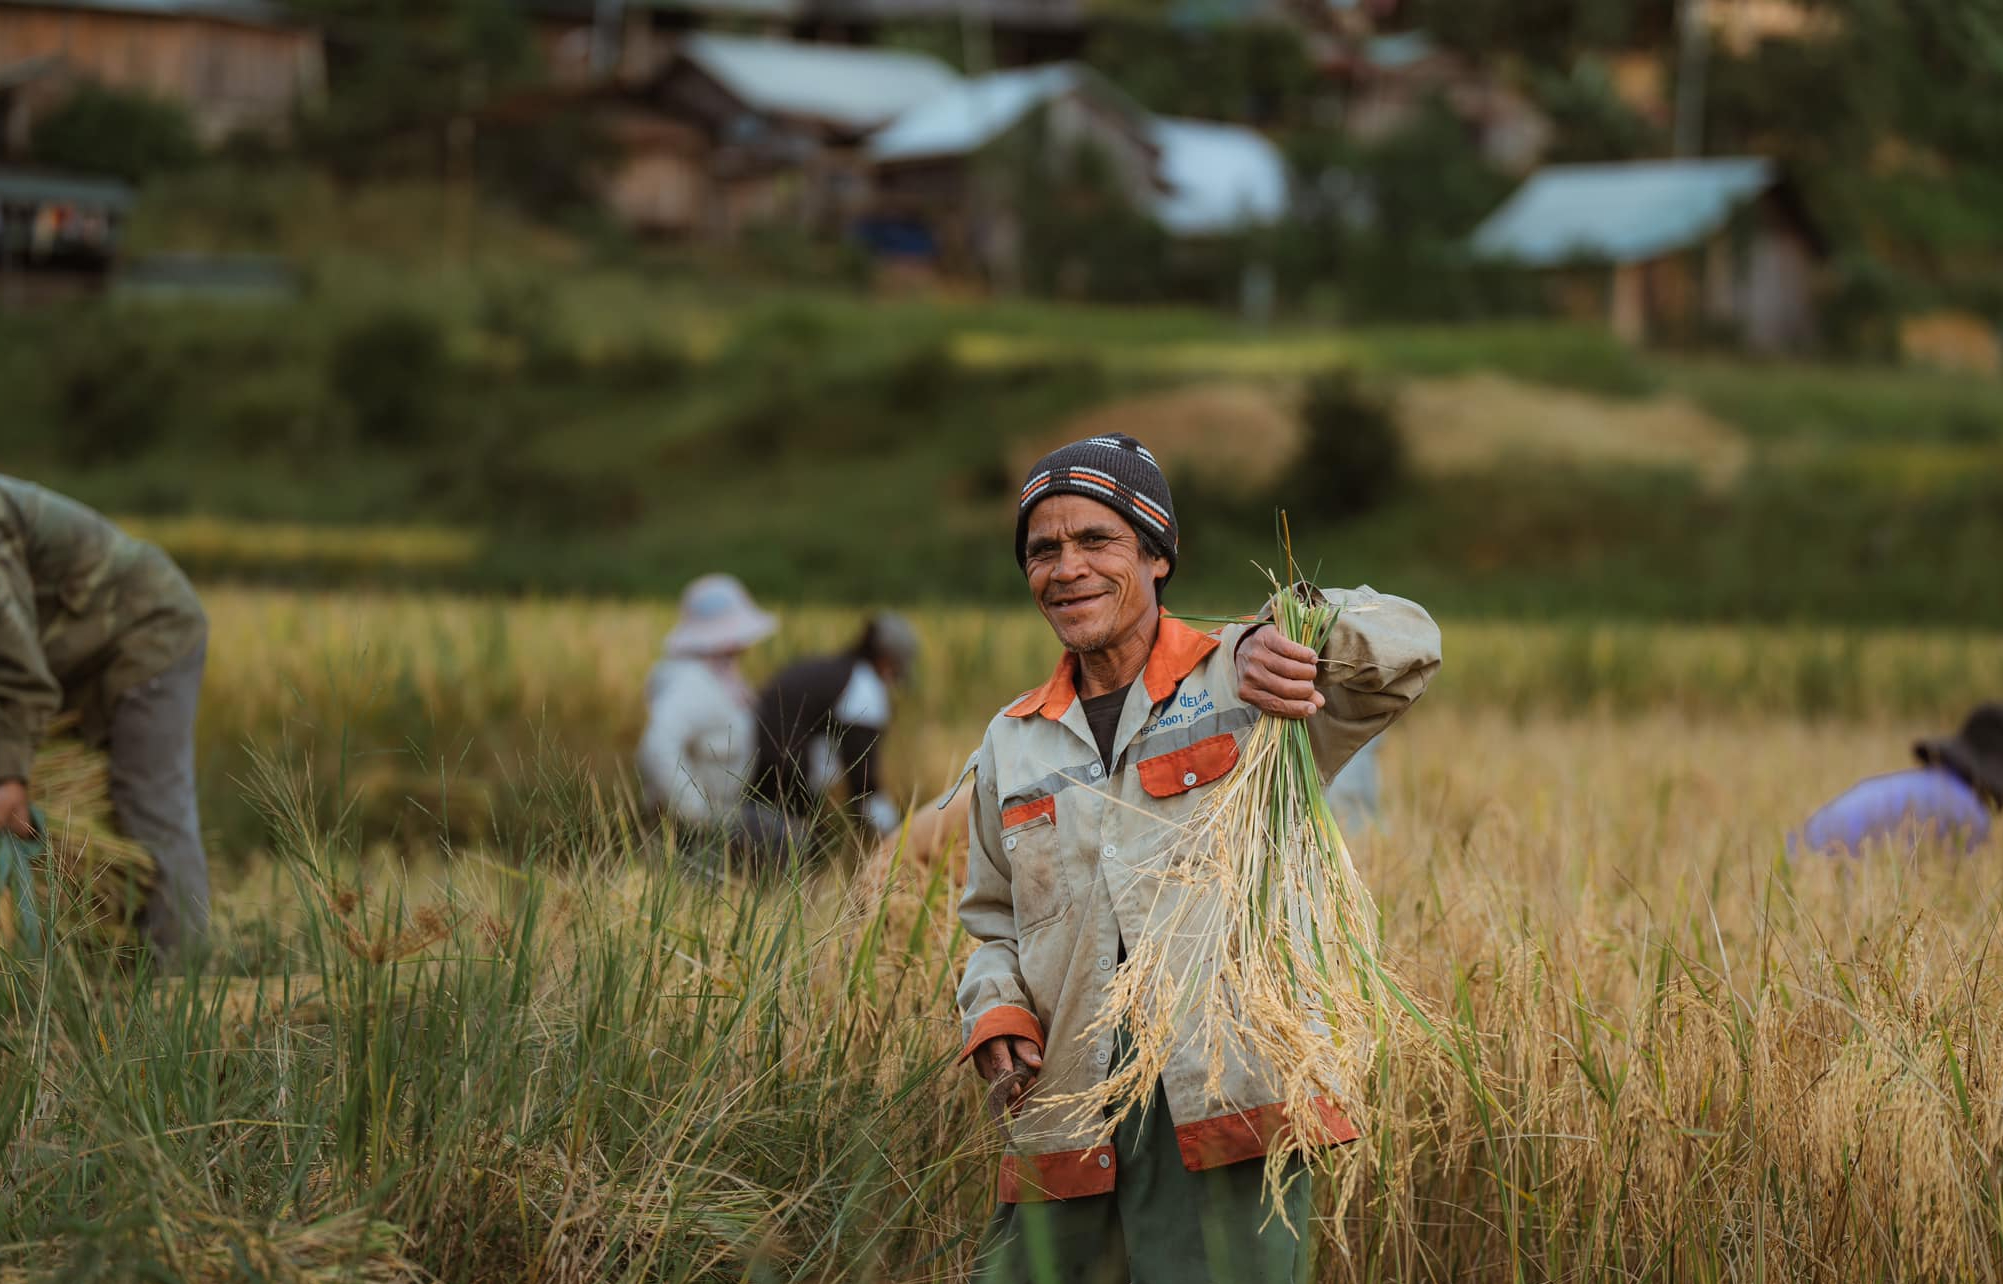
{"x": 1947, "y": 797}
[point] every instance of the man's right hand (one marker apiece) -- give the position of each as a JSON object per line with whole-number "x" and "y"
{"x": 14, "y": 816}
{"x": 1002, "y": 1055}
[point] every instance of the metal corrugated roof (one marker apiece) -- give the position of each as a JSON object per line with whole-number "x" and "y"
{"x": 29, "y": 187}
{"x": 1221, "y": 178}
{"x": 857, "y": 89}
{"x": 973, "y": 114}
{"x": 1620, "y": 213}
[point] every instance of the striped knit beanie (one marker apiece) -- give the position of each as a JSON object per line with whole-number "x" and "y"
{"x": 1117, "y": 471}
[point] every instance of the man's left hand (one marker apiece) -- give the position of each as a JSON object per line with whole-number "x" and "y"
{"x": 15, "y": 818}
{"x": 1276, "y": 675}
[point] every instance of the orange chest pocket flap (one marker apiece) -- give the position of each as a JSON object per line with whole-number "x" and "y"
{"x": 1169, "y": 774}
{"x": 1035, "y": 809}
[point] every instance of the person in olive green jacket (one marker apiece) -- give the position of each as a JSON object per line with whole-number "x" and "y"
{"x": 95, "y": 622}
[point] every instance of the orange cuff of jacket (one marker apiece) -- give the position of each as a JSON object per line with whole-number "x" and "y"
{"x": 1019, "y": 1023}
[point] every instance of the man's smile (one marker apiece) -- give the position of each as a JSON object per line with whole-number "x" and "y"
{"x": 1073, "y": 601}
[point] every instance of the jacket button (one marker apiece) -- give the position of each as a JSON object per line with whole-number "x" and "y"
{"x": 1109, "y": 851}
{"x": 1188, "y": 778}
{"x": 1009, "y": 843}
{"x": 1100, "y": 1056}
{"x": 1105, "y": 1161}
{"x": 1105, "y": 962}
{"x": 1097, "y": 771}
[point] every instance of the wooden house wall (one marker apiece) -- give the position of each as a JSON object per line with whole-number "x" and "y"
{"x": 230, "y": 76}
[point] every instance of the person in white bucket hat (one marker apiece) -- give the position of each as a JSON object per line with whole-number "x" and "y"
{"x": 696, "y": 752}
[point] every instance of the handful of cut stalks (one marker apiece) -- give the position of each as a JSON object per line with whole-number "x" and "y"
{"x": 1261, "y": 949}
{"x": 91, "y": 881}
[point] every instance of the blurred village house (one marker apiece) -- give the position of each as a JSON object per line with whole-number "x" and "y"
{"x": 581, "y": 41}
{"x": 236, "y": 66}
{"x": 735, "y": 132}
{"x": 729, "y": 133}
{"x": 784, "y": 122}
{"x": 938, "y": 191}
{"x": 931, "y": 179}
{"x": 1669, "y": 251}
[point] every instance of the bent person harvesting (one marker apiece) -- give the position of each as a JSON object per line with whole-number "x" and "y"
{"x": 95, "y": 622}
{"x": 1079, "y": 788}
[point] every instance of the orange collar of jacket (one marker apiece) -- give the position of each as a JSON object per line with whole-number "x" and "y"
{"x": 1178, "y": 649}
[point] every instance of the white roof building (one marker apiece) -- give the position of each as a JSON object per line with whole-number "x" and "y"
{"x": 973, "y": 113}
{"x": 1207, "y": 179}
{"x": 1220, "y": 178}
{"x": 855, "y": 90}
{"x": 1626, "y": 212}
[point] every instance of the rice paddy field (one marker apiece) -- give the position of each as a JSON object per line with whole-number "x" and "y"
{"x": 465, "y": 1020}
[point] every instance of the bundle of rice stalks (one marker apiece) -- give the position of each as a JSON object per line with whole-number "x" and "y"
{"x": 1262, "y": 947}
{"x": 89, "y": 881}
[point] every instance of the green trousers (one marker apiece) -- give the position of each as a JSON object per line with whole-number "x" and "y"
{"x": 1161, "y": 1224}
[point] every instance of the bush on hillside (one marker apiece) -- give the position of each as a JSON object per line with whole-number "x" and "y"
{"x": 115, "y": 386}
{"x": 548, "y": 168}
{"x": 1352, "y": 455}
{"x": 116, "y": 131}
{"x": 389, "y": 371}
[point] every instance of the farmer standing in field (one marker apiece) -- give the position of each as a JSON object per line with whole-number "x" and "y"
{"x": 96, "y": 622}
{"x": 696, "y": 753}
{"x": 821, "y": 723}
{"x": 1947, "y": 798}
{"x": 1078, "y": 787}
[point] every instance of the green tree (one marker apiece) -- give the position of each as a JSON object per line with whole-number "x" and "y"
{"x": 1254, "y": 73}
{"x": 1934, "y": 67}
{"x": 1589, "y": 118}
{"x": 390, "y": 371}
{"x": 1352, "y": 454}
{"x": 1546, "y": 33}
{"x": 116, "y": 131}
{"x": 405, "y": 78}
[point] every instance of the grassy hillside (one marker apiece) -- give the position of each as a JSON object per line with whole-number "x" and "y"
{"x": 620, "y": 429}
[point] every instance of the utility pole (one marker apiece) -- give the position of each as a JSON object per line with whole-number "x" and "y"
{"x": 608, "y": 23}
{"x": 977, "y": 37}
{"x": 1693, "y": 52}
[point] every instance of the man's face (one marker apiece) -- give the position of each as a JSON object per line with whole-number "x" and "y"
{"x": 1091, "y": 578}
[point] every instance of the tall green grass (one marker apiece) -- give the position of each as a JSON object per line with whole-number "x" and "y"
{"x": 581, "y": 1067}
{"x": 1669, "y": 1053}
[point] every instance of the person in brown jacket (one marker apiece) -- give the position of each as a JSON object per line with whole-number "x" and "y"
{"x": 95, "y": 622}
{"x": 1079, "y": 787}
